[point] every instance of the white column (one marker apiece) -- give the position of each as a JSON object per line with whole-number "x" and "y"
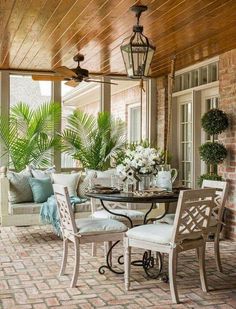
{"x": 105, "y": 97}
{"x": 56, "y": 97}
{"x": 4, "y": 110}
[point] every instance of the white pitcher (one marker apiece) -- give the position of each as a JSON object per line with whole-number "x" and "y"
{"x": 166, "y": 176}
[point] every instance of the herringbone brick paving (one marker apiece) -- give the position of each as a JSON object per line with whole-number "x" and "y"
{"x": 30, "y": 259}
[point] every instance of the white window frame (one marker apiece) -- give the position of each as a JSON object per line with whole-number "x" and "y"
{"x": 130, "y": 107}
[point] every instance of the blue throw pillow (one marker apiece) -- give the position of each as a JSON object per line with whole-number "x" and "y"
{"x": 41, "y": 188}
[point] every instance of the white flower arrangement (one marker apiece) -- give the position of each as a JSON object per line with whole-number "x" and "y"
{"x": 144, "y": 160}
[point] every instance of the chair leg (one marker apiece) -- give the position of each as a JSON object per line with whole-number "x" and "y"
{"x": 127, "y": 263}
{"x": 172, "y": 275}
{"x": 77, "y": 262}
{"x": 217, "y": 252}
{"x": 64, "y": 257}
{"x": 201, "y": 254}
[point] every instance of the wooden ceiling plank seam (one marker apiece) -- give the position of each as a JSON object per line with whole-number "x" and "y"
{"x": 186, "y": 51}
{"x": 81, "y": 27}
{"x": 48, "y": 36}
{"x": 77, "y": 17}
{"x": 51, "y": 7}
{"x": 55, "y": 20}
{"x": 94, "y": 38}
{"x": 17, "y": 14}
{"x": 212, "y": 33}
{"x": 117, "y": 45}
{"x": 75, "y": 45}
{"x": 186, "y": 63}
{"x": 123, "y": 14}
{"x": 29, "y": 35}
{"x": 25, "y": 25}
{"x": 118, "y": 51}
{"x": 4, "y": 19}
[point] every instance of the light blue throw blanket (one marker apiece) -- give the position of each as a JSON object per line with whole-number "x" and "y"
{"x": 50, "y": 215}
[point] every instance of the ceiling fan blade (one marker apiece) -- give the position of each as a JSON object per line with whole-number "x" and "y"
{"x": 72, "y": 83}
{"x": 48, "y": 77}
{"x": 109, "y": 74}
{"x": 98, "y": 81}
{"x": 65, "y": 71}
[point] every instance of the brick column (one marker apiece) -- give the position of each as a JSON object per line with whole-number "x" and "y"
{"x": 227, "y": 80}
{"x": 162, "y": 110}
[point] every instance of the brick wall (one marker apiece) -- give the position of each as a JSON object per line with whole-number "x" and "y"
{"x": 120, "y": 102}
{"x": 227, "y": 79}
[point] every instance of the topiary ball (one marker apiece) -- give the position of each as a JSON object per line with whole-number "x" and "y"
{"x": 215, "y": 121}
{"x": 213, "y": 153}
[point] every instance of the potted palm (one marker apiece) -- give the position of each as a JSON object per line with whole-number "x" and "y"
{"x": 28, "y": 134}
{"x": 93, "y": 141}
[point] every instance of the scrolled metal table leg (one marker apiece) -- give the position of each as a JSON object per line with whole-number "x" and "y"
{"x": 149, "y": 266}
{"x": 108, "y": 265}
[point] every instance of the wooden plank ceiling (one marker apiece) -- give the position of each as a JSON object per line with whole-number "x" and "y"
{"x": 43, "y": 34}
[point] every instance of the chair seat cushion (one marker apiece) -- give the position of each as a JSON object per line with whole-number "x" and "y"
{"x": 132, "y": 214}
{"x": 169, "y": 219}
{"x": 156, "y": 233}
{"x": 99, "y": 226}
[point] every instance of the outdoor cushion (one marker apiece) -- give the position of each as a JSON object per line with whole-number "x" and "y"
{"x": 69, "y": 180}
{"x": 156, "y": 233}
{"x": 37, "y": 173}
{"x": 33, "y": 208}
{"x": 20, "y": 190}
{"x": 83, "y": 185}
{"x": 169, "y": 219}
{"x": 42, "y": 189}
{"x": 132, "y": 214}
{"x": 25, "y": 208}
{"x": 94, "y": 226}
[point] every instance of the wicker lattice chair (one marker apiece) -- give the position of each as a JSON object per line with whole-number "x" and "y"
{"x": 189, "y": 231}
{"x": 82, "y": 231}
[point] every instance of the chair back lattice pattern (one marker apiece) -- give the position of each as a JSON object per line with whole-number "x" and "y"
{"x": 193, "y": 214}
{"x": 220, "y": 196}
{"x": 68, "y": 226}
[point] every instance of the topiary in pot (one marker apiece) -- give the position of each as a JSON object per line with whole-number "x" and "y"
{"x": 213, "y": 122}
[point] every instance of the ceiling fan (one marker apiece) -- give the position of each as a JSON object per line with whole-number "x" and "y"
{"x": 72, "y": 76}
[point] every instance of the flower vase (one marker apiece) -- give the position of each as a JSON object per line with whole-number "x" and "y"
{"x": 145, "y": 181}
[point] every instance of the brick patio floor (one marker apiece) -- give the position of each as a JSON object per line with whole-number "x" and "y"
{"x": 30, "y": 258}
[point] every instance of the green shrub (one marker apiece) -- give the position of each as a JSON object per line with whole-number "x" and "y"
{"x": 213, "y": 153}
{"x": 215, "y": 121}
{"x": 209, "y": 177}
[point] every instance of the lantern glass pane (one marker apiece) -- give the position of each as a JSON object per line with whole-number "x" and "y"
{"x": 150, "y": 54}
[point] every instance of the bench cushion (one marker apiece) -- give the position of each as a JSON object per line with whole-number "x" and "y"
{"x": 33, "y": 208}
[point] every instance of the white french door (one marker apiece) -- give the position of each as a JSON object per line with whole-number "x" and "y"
{"x": 187, "y": 134}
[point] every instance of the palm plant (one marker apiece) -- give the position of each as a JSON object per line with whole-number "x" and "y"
{"x": 28, "y": 134}
{"x": 93, "y": 140}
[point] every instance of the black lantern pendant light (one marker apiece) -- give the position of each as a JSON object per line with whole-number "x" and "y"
{"x": 136, "y": 50}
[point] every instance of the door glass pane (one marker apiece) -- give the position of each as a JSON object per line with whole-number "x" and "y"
{"x": 186, "y": 144}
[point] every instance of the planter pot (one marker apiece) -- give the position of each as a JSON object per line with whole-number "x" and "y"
{"x": 145, "y": 181}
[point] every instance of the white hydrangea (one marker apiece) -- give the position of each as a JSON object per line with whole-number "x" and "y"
{"x": 144, "y": 160}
